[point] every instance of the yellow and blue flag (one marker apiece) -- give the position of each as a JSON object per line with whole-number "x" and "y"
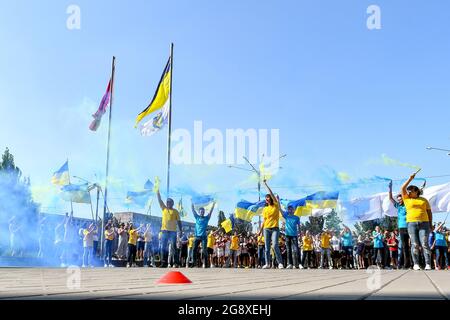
{"x": 316, "y": 204}
{"x": 228, "y": 224}
{"x": 246, "y": 210}
{"x": 76, "y": 193}
{"x": 61, "y": 177}
{"x": 203, "y": 201}
{"x": 161, "y": 95}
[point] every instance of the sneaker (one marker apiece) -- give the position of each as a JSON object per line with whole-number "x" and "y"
{"x": 427, "y": 267}
{"x": 83, "y": 266}
{"x": 105, "y": 266}
{"x": 331, "y": 268}
{"x": 111, "y": 266}
{"x": 203, "y": 266}
{"x": 319, "y": 267}
{"x": 128, "y": 265}
{"x": 416, "y": 267}
{"x": 266, "y": 266}
{"x": 289, "y": 266}
{"x": 213, "y": 266}
{"x": 280, "y": 266}
{"x": 301, "y": 267}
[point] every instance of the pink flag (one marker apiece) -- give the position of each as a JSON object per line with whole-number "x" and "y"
{"x": 101, "y": 109}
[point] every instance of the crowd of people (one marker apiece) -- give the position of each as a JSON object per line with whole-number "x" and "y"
{"x": 416, "y": 243}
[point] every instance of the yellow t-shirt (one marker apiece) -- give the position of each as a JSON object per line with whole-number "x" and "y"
{"x": 416, "y": 209}
{"x": 211, "y": 241}
{"x": 307, "y": 243}
{"x": 325, "y": 240}
{"x": 191, "y": 242}
{"x": 133, "y": 235}
{"x": 234, "y": 243}
{"x": 271, "y": 215}
{"x": 261, "y": 240}
{"x": 109, "y": 236}
{"x": 169, "y": 219}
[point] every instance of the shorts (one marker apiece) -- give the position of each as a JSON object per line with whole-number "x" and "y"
{"x": 393, "y": 254}
{"x": 140, "y": 245}
{"x": 220, "y": 252}
{"x": 210, "y": 251}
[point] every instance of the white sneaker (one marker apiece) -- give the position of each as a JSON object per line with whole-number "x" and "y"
{"x": 289, "y": 266}
{"x": 128, "y": 265}
{"x": 266, "y": 266}
{"x": 213, "y": 266}
{"x": 331, "y": 268}
{"x": 319, "y": 267}
{"x": 83, "y": 266}
{"x": 105, "y": 266}
{"x": 204, "y": 266}
{"x": 111, "y": 266}
{"x": 416, "y": 267}
{"x": 427, "y": 267}
{"x": 301, "y": 267}
{"x": 280, "y": 266}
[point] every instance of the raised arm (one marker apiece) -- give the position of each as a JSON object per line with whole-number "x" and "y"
{"x": 406, "y": 184}
{"x": 194, "y": 212}
{"x": 161, "y": 203}
{"x": 270, "y": 192}
{"x": 212, "y": 209}
{"x": 390, "y": 194}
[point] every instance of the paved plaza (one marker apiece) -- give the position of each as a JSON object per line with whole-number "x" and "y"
{"x": 211, "y": 284}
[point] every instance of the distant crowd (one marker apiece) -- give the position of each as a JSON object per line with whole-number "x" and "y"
{"x": 416, "y": 243}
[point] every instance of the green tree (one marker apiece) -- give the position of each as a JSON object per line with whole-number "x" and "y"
{"x": 333, "y": 222}
{"x": 315, "y": 224}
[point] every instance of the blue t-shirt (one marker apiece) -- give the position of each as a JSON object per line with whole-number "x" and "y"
{"x": 378, "y": 240}
{"x": 401, "y": 215}
{"x": 291, "y": 224}
{"x": 347, "y": 240}
{"x": 201, "y": 223}
{"x": 440, "y": 240}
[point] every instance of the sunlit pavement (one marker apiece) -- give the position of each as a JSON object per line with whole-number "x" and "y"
{"x": 140, "y": 283}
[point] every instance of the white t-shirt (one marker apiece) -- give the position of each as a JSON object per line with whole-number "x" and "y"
{"x": 335, "y": 243}
{"x": 88, "y": 240}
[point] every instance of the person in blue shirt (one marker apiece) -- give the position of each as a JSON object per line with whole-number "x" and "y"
{"x": 292, "y": 229}
{"x": 378, "y": 247}
{"x": 404, "y": 250}
{"x": 440, "y": 246}
{"x": 201, "y": 224}
{"x": 347, "y": 247}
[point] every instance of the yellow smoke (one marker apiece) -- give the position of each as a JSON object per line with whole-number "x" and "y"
{"x": 392, "y": 162}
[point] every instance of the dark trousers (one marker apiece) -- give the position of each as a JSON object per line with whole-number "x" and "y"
{"x": 108, "y": 251}
{"x": 378, "y": 252}
{"x": 306, "y": 255}
{"x": 131, "y": 253}
{"x": 197, "y": 241}
{"x": 404, "y": 258}
{"x": 292, "y": 250}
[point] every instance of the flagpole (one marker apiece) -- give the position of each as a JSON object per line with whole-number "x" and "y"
{"x": 170, "y": 121}
{"x": 68, "y": 172}
{"x": 105, "y": 196}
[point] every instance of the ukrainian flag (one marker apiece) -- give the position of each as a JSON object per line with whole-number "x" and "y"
{"x": 321, "y": 203}
{"x": 246, "y": 210}
{"x": 299, "y": 207}
{"x": 161, "y": 94}
{"x": 61, "y": 177}
{"x": 227, "y": 225}
{"x": 76, "y": 193}
{"x": 203, "y": 201}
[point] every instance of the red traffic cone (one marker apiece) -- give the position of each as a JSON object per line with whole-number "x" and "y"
{"x": 173, "y": 277}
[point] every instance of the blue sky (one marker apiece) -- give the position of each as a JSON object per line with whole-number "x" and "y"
{"x": 341, "y": 95}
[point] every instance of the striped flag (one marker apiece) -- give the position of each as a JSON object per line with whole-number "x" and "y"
{"x": 101, "y": 109}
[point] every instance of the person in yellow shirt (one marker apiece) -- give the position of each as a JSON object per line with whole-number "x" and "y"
{"x": 271, "y": 217}
{"x": 307, "y": 249}
{"x": 190, "y": 256}
{"x": 234, "y": 247}
{"x": 210, "y": 245}
{"x": 325, "y": 238}
{"x": 170, "y": 220}
{"x": 132, "y": 241}
{"x": 261, "y": 260}
{"x": 109, "y": 240}
{"x": 419, "y": 219}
